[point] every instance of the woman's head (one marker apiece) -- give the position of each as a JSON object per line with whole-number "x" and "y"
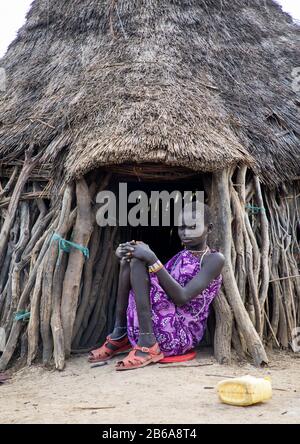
{"x": 194, "y": 224}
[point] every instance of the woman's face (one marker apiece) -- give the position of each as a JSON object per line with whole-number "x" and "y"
{"x": 192, "y": 229}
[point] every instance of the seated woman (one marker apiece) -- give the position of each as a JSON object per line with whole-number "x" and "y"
{"x": 162, "y": 310}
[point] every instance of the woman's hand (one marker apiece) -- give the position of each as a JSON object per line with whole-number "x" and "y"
{"x": 141, "y": 251}
{"x": 123, "y": 249}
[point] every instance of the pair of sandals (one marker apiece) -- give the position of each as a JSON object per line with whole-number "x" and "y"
{"x": 131, "y": 361}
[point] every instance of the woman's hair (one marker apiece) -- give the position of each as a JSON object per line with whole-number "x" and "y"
{"x": 205, "y": 207}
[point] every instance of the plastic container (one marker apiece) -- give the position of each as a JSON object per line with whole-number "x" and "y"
{"x": 246, "y": 390}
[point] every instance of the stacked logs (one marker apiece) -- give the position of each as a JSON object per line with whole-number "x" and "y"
{"x": 70, "y": 298}
{"x": 258, "y": 231}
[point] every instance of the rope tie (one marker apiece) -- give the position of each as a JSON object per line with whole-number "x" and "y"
{"x": 66, "y": 245}
{"x": 22, "y": 315}
{"x": 254, "y": 209}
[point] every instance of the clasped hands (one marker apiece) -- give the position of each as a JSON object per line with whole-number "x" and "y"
{"x": 136, "y": 249}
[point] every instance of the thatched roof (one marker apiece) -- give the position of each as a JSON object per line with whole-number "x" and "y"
{"x": 193, "y": 83}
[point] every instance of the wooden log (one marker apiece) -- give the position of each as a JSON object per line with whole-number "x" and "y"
{"x": 274, "y": 262}
{"x": 40, "y": 228}
{"x": 101, "y": 283}
{"x": 42, "y": 209}
{"x": 254, "y": 249}
{"x": 282, "y": 327}
{"x": 87, "y": 285}
{"x": 223, "y": 331}
{"x": 99, "y": 319}
{"x": 14, "y": 275}
{"x": 240, "y": 270}
{"x": 6, "y": 190}
{"x": 238, "y": 342}
{"x": 88, "y": 266}
{"x": 265, "y": 245}
{"x": 71, "y": 285}
{"x": 254, "y": 344}
{"x": 249, "y": 260}
{"x": 34, "y": 320}
{"x": 25, "y": 197}
{"x": 239, "y": 237}
{"x": 56, "y": 323}
{"x": 16, "y": 266}
{"x": 67, "y": 221}
{"x": 46, "y": 299}
{"x": 112, "y": 300}
{"x": 7, "y": 315}
{"x": 28, "y": 166}
{"x": 100, "y": 261}
{"x": 14, "y": 233}
{"x": 17, "y": 325}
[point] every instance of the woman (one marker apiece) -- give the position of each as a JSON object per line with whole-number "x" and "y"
{"x": 162, "y": 310}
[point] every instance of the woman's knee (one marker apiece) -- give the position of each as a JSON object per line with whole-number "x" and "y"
{"x": 138, "y": 270}
{"x": 124, "y": 263}
{"x": 136, "y": 263}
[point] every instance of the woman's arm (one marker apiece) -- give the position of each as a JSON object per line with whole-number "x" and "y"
{"x": 181, "y": 295}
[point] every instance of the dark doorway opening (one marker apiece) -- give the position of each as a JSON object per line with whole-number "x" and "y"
{"x": 163, "y": 240}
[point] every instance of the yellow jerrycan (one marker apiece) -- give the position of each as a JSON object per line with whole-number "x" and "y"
{"x": 246, "y": 390}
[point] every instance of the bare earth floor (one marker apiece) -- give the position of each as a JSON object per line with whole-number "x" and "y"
{"x": 155, "y": 394}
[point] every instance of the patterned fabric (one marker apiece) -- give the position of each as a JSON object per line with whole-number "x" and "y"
{"x": 177, "y": 329}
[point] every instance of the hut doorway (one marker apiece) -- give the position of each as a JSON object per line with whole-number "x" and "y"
{"x": 163, "y": 240}
{"x": 95, "y": 314}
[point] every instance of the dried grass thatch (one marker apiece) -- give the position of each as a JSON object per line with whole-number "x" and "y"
{"x": 201, "y": 84}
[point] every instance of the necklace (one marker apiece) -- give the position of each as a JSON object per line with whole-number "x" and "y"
{"x": 197, "y": 251}
{"x": 204, "y": 253}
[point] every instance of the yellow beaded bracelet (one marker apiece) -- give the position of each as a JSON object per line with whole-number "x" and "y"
{"x": 155, "y": 267}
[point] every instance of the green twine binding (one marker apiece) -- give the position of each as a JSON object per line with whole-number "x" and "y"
{"x": 22, "y": 315}
{"x": 255, "y": 209}
{"x": 66, "y": 245}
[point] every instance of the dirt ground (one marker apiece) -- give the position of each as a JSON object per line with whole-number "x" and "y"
{"x": 155, "y": 394}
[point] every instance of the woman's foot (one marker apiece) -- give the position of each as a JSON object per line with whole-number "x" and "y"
{"x": 117, "y": 334}
{"x": 145, "y": 340}
{"x": 133, "y": 360}
{"x": 110, "y": 348}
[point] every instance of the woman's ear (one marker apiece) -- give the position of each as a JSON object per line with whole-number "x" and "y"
{"x": 210, "y": 227}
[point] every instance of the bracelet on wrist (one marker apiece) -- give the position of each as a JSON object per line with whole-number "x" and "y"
{"x": 155, "y": 267}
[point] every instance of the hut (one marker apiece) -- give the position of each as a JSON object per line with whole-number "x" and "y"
{"x": 193, "y": 94}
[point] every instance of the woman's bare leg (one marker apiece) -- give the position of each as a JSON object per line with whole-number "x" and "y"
{"x": 124, "y": 286}
{"x": 140, "y": 284}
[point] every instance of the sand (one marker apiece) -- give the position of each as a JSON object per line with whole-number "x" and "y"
{"x": 154, "y": 394}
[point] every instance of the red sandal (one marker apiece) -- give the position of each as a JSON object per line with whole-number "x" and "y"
{"x": 132, "y": 361}
{"x": 104, "y": 353}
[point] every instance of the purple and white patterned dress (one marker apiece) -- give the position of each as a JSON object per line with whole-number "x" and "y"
{"x": 177, "y": 329}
